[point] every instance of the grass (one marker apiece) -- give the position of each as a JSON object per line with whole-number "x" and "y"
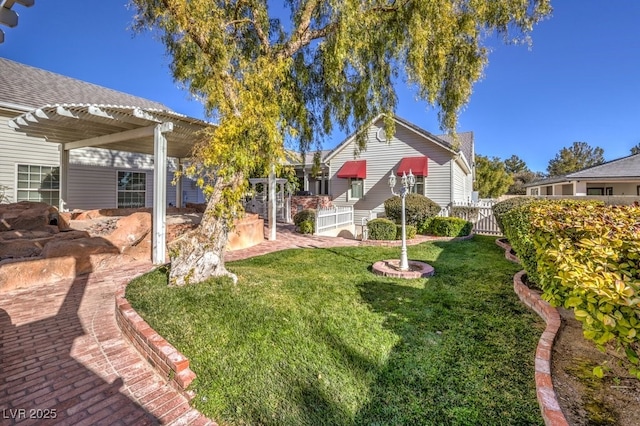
{"x": 311, "y": 336}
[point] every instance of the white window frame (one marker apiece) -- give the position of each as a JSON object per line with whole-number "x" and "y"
{"x": 423, "y": 182}
{"x": 118, "y": 190}
{"x": 350, "y": 191}
{"x": 39, "y": 190}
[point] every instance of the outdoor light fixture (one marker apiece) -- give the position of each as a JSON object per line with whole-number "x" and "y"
{"x": 407, "y": 182}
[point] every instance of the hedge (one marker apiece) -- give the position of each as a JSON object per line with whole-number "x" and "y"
{"x": 305, "y": 221}
{"x": 381, "y": 229}
{"x": 504, "y": 207}
{"x": 418, "y": 208}
{"x": 450, "y": 227}
{"x": 410, "y": 231}
{"x": 517, "y": 229}
{"x": 588, "y": 259}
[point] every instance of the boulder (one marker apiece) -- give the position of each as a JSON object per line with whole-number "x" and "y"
{"x": 130, "y": 230}
{"x": 15, "y": 249}
{"x": 44, "y": 232}
{"x": 78, "y": 248}
{"x": 27, "y": 215}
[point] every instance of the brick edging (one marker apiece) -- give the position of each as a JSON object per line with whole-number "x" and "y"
{"x": 160, "y": 354}
{"x": 547, "y": 399}
{"x": 551, "y": 411}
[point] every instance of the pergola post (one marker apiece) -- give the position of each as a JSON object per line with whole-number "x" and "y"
{"x": 179, "y": 199}
{"x": 159, "y": 237}
{"x": 64, "y": 178}
{"x": 272, "y": 204}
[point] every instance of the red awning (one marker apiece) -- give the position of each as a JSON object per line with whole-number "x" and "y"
{"x": 353, "y": 169}
{"x": 417, "y": 165}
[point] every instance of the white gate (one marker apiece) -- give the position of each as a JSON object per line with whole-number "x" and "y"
{"x": 480, "y": 214}
{"x": 333, "y": 218}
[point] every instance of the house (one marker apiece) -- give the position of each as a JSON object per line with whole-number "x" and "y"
{"x": 46, "y": 107}
{"x": 54, "y": 131}
{"x": 616, "y": 177}
{"x": 444, "y": 169}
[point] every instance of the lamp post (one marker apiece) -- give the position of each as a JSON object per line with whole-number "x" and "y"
{"x": 406, "y": 182}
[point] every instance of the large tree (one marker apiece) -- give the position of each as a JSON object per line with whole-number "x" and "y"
{"x": 492, "y": 179}
{"x": 515, "y": 164}
{"x": 273, "y": 72}
{"x": 576, "y": 157}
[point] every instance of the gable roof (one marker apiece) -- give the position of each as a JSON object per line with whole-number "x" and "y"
{"x": 25, "y": 88}
{"x": 621, "y": 168}
{"x": 465, "y": 139}
{"x": 624, "y": 167}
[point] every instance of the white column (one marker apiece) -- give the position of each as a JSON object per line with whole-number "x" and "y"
{"x": 305, "y": 180}
{"x": 272, "y": 204}
{"x": 179, "y": 184}
{"x": 159, "y": 238}
{"x": 64, "y": 178}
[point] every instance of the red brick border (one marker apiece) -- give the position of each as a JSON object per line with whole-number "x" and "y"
{"x": 547, "y": 399}
{"x": 162, "y": 356}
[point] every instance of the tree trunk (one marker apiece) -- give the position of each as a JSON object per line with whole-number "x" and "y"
{"x": 199, "y": 254}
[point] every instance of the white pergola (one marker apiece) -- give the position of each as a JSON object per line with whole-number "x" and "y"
{"x": 160, "y": 133}
{"x": 9, "y": 17}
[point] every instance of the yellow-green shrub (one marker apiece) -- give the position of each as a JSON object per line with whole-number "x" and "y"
{"x": 588, "y": 259}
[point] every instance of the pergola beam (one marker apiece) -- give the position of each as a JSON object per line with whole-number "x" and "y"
{"x": 139, "y": 133}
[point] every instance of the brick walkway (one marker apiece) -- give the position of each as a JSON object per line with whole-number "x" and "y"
{"x": 287, "y": 238}
{"x": 62, "y": 355}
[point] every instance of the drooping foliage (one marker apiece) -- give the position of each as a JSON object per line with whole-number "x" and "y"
{"x": 274, "y": 73}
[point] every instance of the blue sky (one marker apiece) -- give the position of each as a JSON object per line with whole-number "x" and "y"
{"x": 580, "y": 80}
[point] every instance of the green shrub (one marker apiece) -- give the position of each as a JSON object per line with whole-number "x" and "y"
{"x": 450, "y": 227}
{"x": 410, "y": 230}
{"x": 518, "y": 230}
{"x": 503, "y": 207}
{"x": 589, "y": 261}
{"x": 381, "y": 229}
{"x": 307, "y": 227}
{"x": 306, "y": 217}
{"x": 424, "y": 228}
{"x": 418, "y": 209}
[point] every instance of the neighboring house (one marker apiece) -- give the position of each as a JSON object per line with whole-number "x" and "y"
{"x": 616, "y": 177}
{"x": 97, "y": 178}
{"x": 444, "y": 171}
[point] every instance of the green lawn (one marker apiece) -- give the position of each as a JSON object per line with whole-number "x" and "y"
{"x": 311, "y": 336}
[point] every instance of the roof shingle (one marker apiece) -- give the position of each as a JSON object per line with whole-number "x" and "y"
{"x": 29, "y": 87}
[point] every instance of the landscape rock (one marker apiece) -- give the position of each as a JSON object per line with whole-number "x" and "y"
{"x": 130, "y": 230}
{"x": 27, "y": 215}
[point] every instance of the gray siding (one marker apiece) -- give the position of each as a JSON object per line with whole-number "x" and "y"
{"x": 381, "y": 158}
{"x": 460, "y": 189}
{"x": 17, "y": 148}
{"x": 92, "y": 171}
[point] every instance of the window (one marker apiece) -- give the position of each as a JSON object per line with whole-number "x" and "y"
{"x": 131, "y": 189}
{"x": 534, "y": 191}
{"x": 418, "y": 188}
{"x": 356, "y": 186}
{"x": 38, "y": 183}
{"x": 595, "y": 191}
{"x": 608, "y": 190}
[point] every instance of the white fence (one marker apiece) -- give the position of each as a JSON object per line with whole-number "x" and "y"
{"x": 333, "y": 218}
{"x": 480, "y": 214}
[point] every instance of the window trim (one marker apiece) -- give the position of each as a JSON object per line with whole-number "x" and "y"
{"x": 118, "y": 191}
{"x": 350, "y": 192}
{"x": 38, "y": 190}
{"x": 600, "y": 188}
